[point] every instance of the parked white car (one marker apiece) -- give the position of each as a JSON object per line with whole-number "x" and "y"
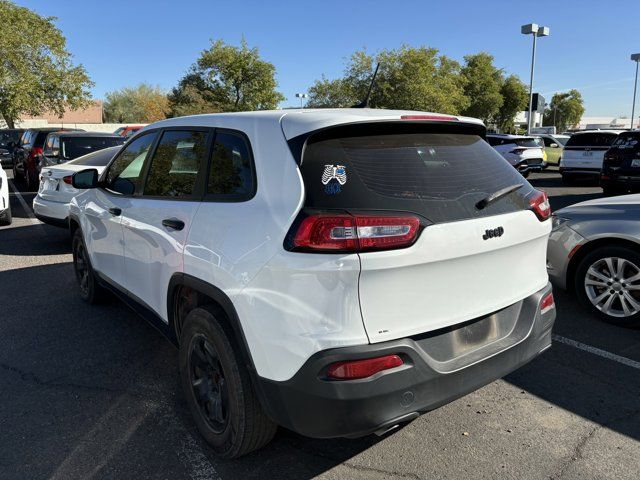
{"x": 5, "y": 206}
{"x": 337, "y": 272}
{"x": 583, "y": 154}
{"x": 51, "y": 204}
{"x": 526, "y": 154}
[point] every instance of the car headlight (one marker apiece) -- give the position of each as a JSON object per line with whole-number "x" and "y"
{"x": 557, "y": 222}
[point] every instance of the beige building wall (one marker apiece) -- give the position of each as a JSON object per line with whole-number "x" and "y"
{"x": 91, "y": 114}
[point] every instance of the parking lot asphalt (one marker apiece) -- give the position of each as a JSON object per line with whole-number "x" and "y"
{"x": 93, "y": 392}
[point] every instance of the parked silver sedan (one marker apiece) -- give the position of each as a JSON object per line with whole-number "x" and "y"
{"x": 594, "y": 250}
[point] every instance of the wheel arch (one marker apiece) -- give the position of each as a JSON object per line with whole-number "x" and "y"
{"x": 592, "y": 246}
{"x": 196, "y": 292}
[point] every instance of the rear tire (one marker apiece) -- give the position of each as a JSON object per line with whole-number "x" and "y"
{"x": 218, "y": 388}
{"x": 589, "y": 286}
{"x": 90, "y": 291}
{"x": 5, "y": 217}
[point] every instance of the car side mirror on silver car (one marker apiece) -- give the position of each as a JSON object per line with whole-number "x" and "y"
{"x": 85, "y": 179}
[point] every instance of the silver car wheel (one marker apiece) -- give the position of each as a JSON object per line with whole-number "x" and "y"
{"x": 613, "y": 286}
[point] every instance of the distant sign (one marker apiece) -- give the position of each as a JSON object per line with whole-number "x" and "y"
{"x": 538, "y": 103}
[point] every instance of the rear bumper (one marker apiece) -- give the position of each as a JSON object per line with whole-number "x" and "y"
{"x": 53, "y": 213}
{"x": 531, "y": 165}
{"x": 579, "y": 171}
{"x": 626, "y": 179}
{"x": 313, "y": 406}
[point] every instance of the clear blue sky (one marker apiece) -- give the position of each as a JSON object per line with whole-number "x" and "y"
{"x": 123, "y": 43}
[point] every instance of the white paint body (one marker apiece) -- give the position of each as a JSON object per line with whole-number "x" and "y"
{"x": 588, "y": 159}
{"x": 291, "y": 304}
{"x": 4, "y": 190}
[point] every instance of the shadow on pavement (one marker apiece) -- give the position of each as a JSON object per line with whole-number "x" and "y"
{"x": 96, "y": 389}
{"x": 34, "y": 240}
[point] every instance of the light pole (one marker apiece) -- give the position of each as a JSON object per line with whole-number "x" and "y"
{"x": 537, "y": 31}
{"x": 636, "y": 58}
{"x": 301, "y": 96}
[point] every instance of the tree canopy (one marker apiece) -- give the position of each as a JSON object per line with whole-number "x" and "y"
{"x": 567, "y": 108}
{"x": 226, "y": 78}
{"x": 515, "y": 98}
{"x": 422, "y": 79}
{"x": 408, "y": 78}
{"x": 141, "y": 104}
{"x": 36, "y": 71}
{"x": 482, "y": 87}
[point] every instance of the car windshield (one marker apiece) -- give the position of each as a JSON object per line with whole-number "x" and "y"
{"x": 595, "y": 139}
{"x": 9, "y": 136}
{"x": 627, "y": 140}
{"x": 528, "y": 142}
{"x": 119, "y": 131}
{"x": 74, "y": 147}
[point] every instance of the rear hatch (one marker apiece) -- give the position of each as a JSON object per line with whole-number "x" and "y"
{"x": 585, "y": 151}
{"x": 529, "y": 150}
{"x": 466, "y": 261}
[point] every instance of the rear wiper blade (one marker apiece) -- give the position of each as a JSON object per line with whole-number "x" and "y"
{"x": 489, "y": 199}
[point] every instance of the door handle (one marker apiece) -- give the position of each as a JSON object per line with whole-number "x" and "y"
{"x": 115, "y": 211}
{"x": 173, "y": 223}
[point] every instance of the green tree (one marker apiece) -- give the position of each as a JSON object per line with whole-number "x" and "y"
{"x": 36, "y": 71}
{"x": 567, "y": 107}
{"x": 515, "y": 98}
{"x": 408, "y": 78}
{"x": 144, "y": 104}
{"x": 483, "y": 82}
{"x": 226, "y": 79}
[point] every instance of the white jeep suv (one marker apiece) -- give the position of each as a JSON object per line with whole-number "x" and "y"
{"x": 336, "y": 272}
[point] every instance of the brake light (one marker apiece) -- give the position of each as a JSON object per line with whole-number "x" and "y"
{"x": 518, "y": 151}
{"x": 540, "y": 205}
{"x": 67, "y": 179}
{"x": 356, "y": 369}
{"x": 547, "y": 304}
{"x": 35, "y": 151}
{"x": 355, "y": 233}
{"x": 442, "y": 118}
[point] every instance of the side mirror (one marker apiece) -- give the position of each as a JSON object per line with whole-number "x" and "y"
{"x": 554, "y": 145}
{"x": 85, "y": 179}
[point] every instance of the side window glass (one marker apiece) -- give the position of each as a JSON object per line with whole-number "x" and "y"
{"x": 124, "y": 172}
{"x": 175, "y": 164}
{"x": 231, "y": 169}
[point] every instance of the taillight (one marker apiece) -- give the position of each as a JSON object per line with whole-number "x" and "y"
{"x": 547, "y": 304}
{"x": 540, "y": 205}
{"x": 67, "y": 179}
{"x": 355, "y": 369}
{"x": 355, "y": 233}
{"x": 518, "y": 151}
{"x": 35, "y": 151}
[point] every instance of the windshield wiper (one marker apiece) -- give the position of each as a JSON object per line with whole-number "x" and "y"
{"x": 489, "y": 199}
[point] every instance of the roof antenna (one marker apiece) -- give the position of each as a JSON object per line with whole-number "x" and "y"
{"x": 365, "y": 102}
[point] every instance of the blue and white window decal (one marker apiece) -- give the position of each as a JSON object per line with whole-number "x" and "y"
{"x": 331, "y": 173}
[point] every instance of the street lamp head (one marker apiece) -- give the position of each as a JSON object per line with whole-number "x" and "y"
{"x": 543, "y": 32}
{"x": 529, "y": 28}
{"x": 301, "y": 95}
{"x": 635, "y": 57}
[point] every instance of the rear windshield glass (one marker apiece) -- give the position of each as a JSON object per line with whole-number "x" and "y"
{"x": 520, "y": 142}
{"x": 96, "y": 159}
{"x": 561, "y": 139}
{"x": 628, "y": 140}
{"x": 8, "y": 136}
{"x": 75, "y": 147}
{"x": 440, "y": 176}
{"x": 595, "y": 139}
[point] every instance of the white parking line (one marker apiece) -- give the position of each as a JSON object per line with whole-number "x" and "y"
{"x": 596, "y": 351}
{"x": 24, "y": 204}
